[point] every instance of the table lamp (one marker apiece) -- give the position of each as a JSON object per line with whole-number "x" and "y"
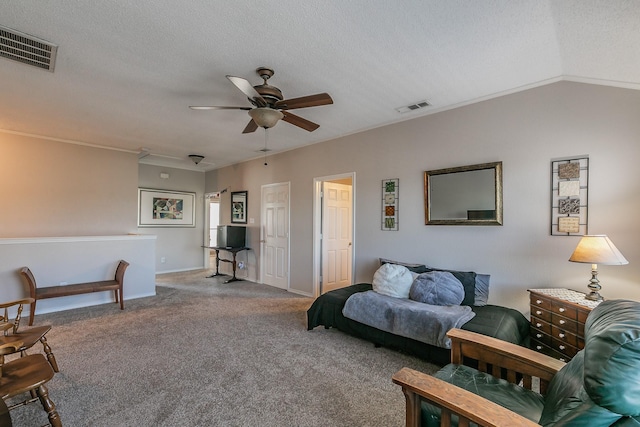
{"x": 594, "y": 250}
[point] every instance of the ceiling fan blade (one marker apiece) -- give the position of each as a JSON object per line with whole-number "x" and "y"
{"x": 249, "y": 90}
{"x": 216, "y": 107}
{"x": 299, "y": 121}
{"x": 251, "y": 127}
{"x": 305, "y": 101}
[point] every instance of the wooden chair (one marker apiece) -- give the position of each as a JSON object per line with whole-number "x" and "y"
{"x": 29, "y": 336}
{"x": 5, "y": 418}
{"x": 27, "y": 375}
{"x": 600, "y": 386}
{"x": 491, "y": 355}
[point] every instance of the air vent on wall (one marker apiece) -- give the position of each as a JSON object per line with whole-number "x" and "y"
{"x": 413, "y": 107}
{"x": 27, "y": 49}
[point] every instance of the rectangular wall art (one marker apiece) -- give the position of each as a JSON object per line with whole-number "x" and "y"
{"x": 162, "y": 208}
{"x": 390, "y": 191}
{"x": 570, "y": 196}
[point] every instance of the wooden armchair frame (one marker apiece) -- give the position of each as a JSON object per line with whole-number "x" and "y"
{"x": 11, "y": 332}
{"x": 511, "y": 362}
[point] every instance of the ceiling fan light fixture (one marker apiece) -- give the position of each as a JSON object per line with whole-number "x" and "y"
{"x": 196, "y": 158}
{"x": 265, "y": 117}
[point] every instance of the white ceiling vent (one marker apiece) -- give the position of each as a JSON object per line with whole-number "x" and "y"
{"x": 27, "y": 49}
{"x": 413, "y": 107}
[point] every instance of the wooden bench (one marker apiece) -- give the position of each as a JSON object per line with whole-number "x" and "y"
{"x": 75, "y": 289}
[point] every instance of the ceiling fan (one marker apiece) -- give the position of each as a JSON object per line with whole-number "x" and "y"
{"x": 269, "y": 105}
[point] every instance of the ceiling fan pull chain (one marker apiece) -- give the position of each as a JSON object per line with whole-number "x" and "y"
{"x": 266, "y": 138}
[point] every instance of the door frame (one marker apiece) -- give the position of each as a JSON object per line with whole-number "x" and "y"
{"x": 262, "y": 218}
{"x": 317, "y": 226}
{"x": 207, "y": 226}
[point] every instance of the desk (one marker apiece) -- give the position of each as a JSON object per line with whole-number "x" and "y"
{"x": 233, "y": 262}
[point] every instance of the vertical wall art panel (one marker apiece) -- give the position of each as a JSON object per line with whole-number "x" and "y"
{"x": 390, "y": 191}
{"x": 570, "y": 196}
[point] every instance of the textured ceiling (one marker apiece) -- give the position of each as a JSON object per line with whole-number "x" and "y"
{"x": 127, "y": 71}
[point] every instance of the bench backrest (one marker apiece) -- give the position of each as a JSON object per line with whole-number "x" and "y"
{"x": 31, "y": 281}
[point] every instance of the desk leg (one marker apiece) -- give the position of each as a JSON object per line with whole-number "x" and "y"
{"x": 217, "y": 273}
{"x": 233, "y": 264}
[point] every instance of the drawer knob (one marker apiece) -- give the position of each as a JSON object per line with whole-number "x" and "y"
{"x": 562, "y": 322}
{"x": 538, "y": 312}
{"x": 561, "y": 335}
{"x": 538, "y": 325}
{"x": 538, "y": 335}
{"x": 538, "y": 347}
{"x": 561, "y": 310}
{"x": 561, "y": 347}
{"x": 538, "y": 301}
{"x": 562, "y": 359}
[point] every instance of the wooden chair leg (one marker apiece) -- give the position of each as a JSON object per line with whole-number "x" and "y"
{"x": 50, "y": 356}
{"x": 121, "y": 300}
{"x": 49, "y": 406}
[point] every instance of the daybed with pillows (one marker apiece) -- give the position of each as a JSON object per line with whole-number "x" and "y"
{"x": 411, "y": 307}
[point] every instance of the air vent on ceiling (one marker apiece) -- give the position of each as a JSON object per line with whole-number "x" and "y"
{"x": 27, "y": 49}
{"x": 413, "y": 107}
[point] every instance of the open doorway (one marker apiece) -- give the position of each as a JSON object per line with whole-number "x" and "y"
{"x": 333, "y": 232}
{"x": 212, "y": 215}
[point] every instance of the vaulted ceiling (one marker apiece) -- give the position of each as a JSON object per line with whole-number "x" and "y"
{"x": 127, "y": 71}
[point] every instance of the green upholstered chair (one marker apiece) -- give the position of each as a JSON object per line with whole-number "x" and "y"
{"x": 600, "y": 386}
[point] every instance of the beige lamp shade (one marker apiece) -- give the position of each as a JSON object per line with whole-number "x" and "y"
{"x": 597, "y": 249}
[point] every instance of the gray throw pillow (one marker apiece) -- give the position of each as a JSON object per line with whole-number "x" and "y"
{"x": 437, "y": 288}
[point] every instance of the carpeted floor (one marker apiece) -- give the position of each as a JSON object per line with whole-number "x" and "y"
{"x": 205, "y": 353}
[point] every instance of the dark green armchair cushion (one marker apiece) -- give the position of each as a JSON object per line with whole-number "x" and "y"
{"x": 600, "y": 386}
{"x": 515, "y": 398}
{"x": 612, "y": 356}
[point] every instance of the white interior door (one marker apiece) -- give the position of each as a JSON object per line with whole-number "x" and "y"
{"x": 274, "y": 253}
{"x": 336, "y": 236}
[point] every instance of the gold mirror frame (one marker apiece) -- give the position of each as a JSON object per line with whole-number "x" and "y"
{"x": 495, "y": 220}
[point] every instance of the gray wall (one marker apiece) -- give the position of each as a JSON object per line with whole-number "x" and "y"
{"x": 52, "y": 188}
{"x": 180, "y": 247}
{"x": 525, "y": 131}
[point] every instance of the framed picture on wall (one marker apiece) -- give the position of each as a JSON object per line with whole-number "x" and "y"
{"x": 239, "y": 207}
{"x": 163, "y": 208}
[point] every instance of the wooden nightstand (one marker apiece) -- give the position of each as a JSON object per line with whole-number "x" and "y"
{"x": 557, "y": 321}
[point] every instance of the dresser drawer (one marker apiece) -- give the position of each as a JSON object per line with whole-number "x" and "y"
{"x": 538, "y": 335}
{"x": 542, "y": 325}
{"x": 565, "y": 310}
{"x": 546, "y": 349}
{"x": 541, "y": 313}
{"x": 564, "y": 323}
{"x": 562, "y": 335}
{"x": 563, "y": 347}
{"x": 540, "y": 301}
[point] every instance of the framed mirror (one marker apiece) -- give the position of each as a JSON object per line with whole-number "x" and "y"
{"x": 466, "y": 195}
{"x": 239, "y": 207}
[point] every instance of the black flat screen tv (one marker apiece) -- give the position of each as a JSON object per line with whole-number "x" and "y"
{"x": 231, "y": 236}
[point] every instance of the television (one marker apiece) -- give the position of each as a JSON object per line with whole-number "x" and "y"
{"x": 231, "y": 236}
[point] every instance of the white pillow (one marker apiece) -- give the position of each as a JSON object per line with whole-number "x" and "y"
{"x": 392, "y": 280}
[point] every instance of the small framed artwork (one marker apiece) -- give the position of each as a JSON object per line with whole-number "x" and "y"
{"x": 390, "y": 190}
{"x": 239, "y": 207}
{"x": 570, "y": 196}
{"x": 163, "y": 208}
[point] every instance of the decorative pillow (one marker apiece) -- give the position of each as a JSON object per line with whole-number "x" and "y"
{"x": 468, "y": 280}
{"x": 437, "y": 288}
{"x": 416, "y": 268}
{"x": 392, "y": 280}
{"x": 482, "y": 289}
